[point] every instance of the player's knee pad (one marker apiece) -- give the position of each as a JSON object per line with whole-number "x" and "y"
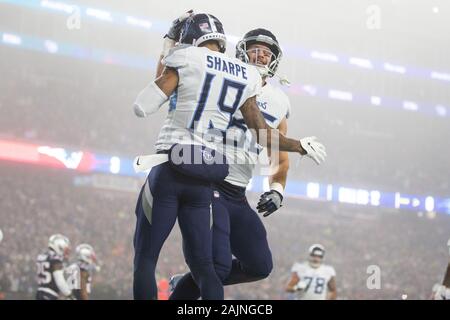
{"x": 198, "y": 162}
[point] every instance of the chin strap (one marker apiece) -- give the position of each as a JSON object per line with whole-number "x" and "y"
{"x": 283, "y": 80}
{"x": 265, "y": 71}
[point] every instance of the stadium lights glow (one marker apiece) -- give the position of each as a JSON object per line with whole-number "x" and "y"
{"x": 11, "y": 39}
{"x": 139, "y": 22}
{"x": 394, "y": 68}
{"x": 399, "y": 200}
{"x": 375, "y": 197}
{"x": 375, "y": 100}
{"x": 51, "y": 46}
{"x": 362, "y": 197}
{"x": 340, "y": 95}
{"x": 45, "y": 45}
{"x": 354, "y": 196}
{"x": 99, "y": 14}
{"x": 114, "y": 165}
{"x": 324, "y": 56}
{"x": 314, "y": 54}
{"x": 409, "y": 105}
{"x": 56, "y": 5}
{"x": 440, "y": 76}
{"x": 329, "y": 196}
{"x": 441, "y": 110}
{"x": 312, "y": 190}
{"x": 429, "y": 204}
{"x": 359, "y": 62}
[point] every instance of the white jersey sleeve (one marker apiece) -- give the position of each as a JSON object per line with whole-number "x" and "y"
{"x": 73, "y": 275}
{"x": 297, "y": 268}
{"x": 255, "y": 82}
{"x": 331, "y": 272}
{"x": 177, "y": 57}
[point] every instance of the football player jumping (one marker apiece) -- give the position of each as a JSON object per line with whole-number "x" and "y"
{"x": 206, "y": 89}
{"x": 234, "y": 219}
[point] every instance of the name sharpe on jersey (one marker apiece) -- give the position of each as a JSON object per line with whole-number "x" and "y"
{"x": 217, "y": 63}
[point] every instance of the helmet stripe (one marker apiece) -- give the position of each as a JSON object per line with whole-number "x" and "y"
{"x": 212, "y": 23}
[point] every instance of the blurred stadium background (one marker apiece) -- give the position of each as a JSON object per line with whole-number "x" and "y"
{"x": 376, "y": 92}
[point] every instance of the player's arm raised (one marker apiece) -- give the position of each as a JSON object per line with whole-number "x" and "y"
{"x": 171, "y": 38}
{"x": 332, "y": 290}
{"x": 156, "y": 93}
{"x": 152, "y": 97}
{"x": 291, "y": 286}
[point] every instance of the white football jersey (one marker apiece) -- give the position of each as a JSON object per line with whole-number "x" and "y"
{"x": 274, "y": 106}
{"x": 73, "y": 275}
{"x": 314, "y": 281}
{"x": 211, "y": 89}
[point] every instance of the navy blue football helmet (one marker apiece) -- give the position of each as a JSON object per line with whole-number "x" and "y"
{"x": 203, "y": 27}
{"x": 265, "y": 37}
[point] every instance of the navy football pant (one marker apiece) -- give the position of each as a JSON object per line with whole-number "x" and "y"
{"x": 42, "y": 295}
{"x": 238, "y": 225}
{"x": 165, "y": 196}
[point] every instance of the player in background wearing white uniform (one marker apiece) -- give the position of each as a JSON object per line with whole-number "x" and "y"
{"x": 236, "y": 224}
{"x": 50, "y": 269}
{"x": 442, "y": 291}
{"x": 206, "y": 89}
{"x": 79, "y": 273}
{"x": 313, "y": 280}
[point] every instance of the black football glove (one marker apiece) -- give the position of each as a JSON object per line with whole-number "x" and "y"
{"x": 175, "y": 29}
{"x": 269, "y": 202}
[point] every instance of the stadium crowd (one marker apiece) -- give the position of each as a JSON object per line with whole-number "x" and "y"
{"x": 408, "y": 247}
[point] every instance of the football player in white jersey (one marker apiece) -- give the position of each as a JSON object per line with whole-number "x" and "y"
{"x": 79, "y": 273}
{"x": 206, "y": 89}
{"x": 236, "y": 224}
{"x": 313, "y": 280}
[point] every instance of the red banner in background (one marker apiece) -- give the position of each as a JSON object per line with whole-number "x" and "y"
{"x": 46, "y": 156}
